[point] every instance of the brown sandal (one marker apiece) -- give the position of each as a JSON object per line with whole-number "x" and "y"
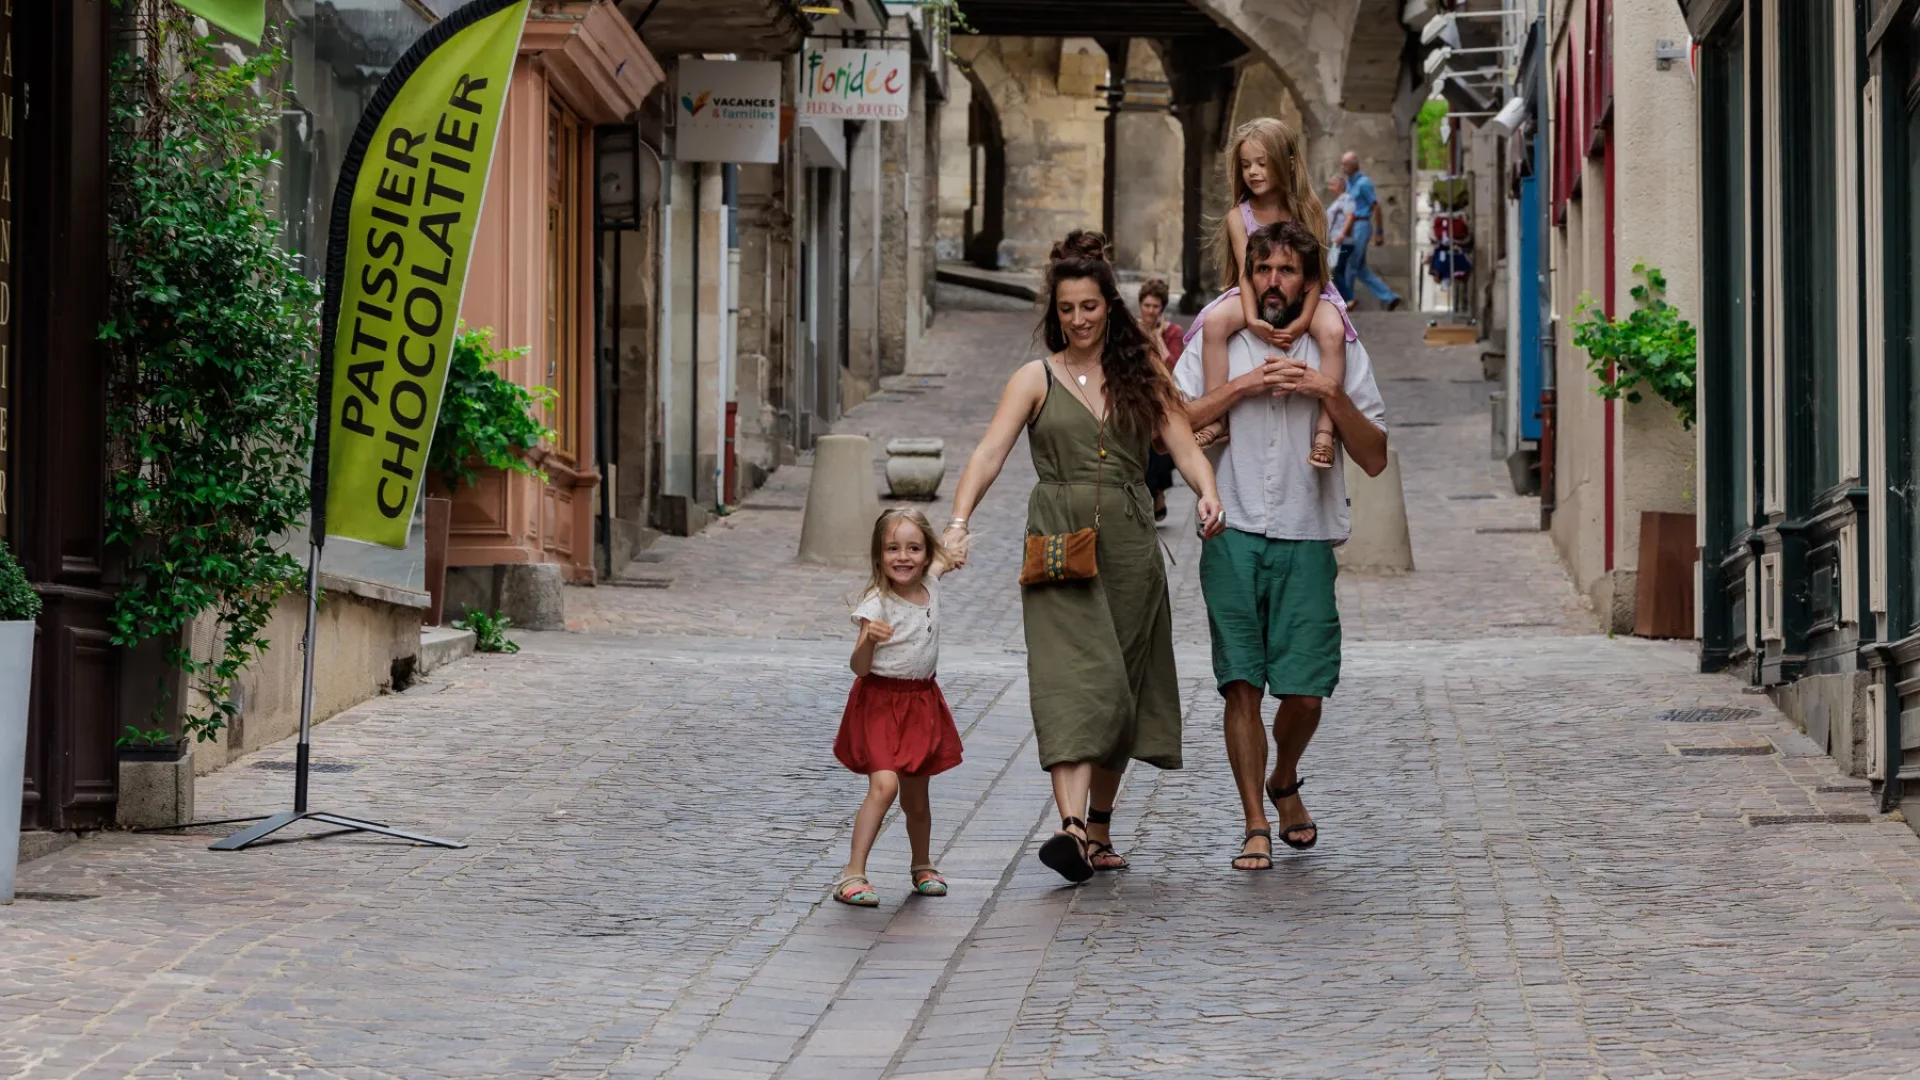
{"x": 1264, "y": 834}
{"x": 1322, "y": 454}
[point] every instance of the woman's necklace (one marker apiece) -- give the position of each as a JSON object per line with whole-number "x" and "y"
{"x": 1080, "y": 377}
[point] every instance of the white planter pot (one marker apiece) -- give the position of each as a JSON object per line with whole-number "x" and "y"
{"x": 16, "y": 682}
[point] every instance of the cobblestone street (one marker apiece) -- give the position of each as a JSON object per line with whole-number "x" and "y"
{"x": 1523, "y": 870}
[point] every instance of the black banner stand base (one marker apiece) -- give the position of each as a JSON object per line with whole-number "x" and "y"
{"x": 269, "y": 825}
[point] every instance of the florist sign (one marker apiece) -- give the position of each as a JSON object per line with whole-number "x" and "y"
{"x": 854, "y": 84}
{"x": 727, "y": 110}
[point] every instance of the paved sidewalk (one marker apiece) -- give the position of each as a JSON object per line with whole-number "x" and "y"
{"x": 1523, "y": 869}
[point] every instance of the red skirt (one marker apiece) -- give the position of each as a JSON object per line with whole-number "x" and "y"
{"x": 897, "y": 725}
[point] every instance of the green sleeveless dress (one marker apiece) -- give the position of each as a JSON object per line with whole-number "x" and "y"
{"x": 1099, "y": 652}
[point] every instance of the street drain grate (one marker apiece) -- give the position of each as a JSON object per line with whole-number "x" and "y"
{"x": 1808, "y": 819}
{"x": 640, "y": 582}
{"x": 772, "y": 506}
{"x": 1713, "y": 715}
{"x": 1523, "y": 625}
{"x": 1464, "y": 498}
{"x": 1493, "y": 530}
{"x": 1726, "y": 751}
{"x": 1417, "y": 423}
{"x": 1844, "y": 789}
{"x": 54, "y": 897}
{"x": 318, "y": 766}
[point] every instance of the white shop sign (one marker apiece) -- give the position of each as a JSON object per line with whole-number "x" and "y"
{"x": 727, "y": 110}
{"x": 855, "y": 84}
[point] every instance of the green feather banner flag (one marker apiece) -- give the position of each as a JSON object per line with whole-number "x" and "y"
{"x": 404, "y": 216}
{"x": 241, "y": 18}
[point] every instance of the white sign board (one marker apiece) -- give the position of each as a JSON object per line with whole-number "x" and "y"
{"x": 727, "y": 110}
{"x": 855, "y": 84}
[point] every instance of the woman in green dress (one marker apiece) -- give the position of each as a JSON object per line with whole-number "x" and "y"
{"x": 1099, "y": 650}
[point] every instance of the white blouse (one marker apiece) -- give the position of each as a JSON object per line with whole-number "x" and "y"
{"x": 914, "y": 651}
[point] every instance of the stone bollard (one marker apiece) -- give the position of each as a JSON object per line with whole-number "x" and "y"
{"x": 1381, "y": 541}
{"x": 841, "y": 503}
{"x": 915, "y": 468}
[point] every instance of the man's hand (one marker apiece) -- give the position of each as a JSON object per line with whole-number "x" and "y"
{"x": 1274, "y": 375}
{"x": 875, "y": 632}
{"x": 1295, "y": 377}
{"x": 1379, "y": 238}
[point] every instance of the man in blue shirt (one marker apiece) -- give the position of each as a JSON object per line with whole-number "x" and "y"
{"x": 1360, "y": 233}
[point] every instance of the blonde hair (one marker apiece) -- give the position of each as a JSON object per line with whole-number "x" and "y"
{"x": 1292, "y": 183}
{"x": 882, "y": 528}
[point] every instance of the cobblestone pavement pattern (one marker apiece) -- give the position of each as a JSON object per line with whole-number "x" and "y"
{"x": 1519, "y": 873}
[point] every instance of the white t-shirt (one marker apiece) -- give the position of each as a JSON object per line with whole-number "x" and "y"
{"x": 914, "y": 651}
{"x": 1267, "y": 485}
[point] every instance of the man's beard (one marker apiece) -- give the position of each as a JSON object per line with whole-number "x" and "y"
{"x": 1275, "y": 309}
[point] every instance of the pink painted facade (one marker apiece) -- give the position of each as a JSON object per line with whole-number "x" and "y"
{"x": 531, "y": 279}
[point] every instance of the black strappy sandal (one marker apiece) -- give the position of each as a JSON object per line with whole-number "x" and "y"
{"x": 1245, "y": 854}
{"x": 1287, "y": 833}
{"x": 1096, "y": 849}
{"x": 1066, "y": 854}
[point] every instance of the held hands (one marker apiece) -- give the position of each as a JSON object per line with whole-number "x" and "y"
{"x": 954, "y": 543}
{"x": 1212, "y": 519}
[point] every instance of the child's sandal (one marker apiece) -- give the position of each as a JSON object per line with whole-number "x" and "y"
{"x": 861, "y": 897}
{"x": 1322, "y": 454}
{"x": 931, "y": 885}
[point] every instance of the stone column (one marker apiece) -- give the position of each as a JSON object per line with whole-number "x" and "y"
{"x": 863, "y": 261}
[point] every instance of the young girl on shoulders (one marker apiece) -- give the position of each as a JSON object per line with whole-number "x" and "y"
{"x": 897, "y": 730}
{"x": 1268, "y": 176}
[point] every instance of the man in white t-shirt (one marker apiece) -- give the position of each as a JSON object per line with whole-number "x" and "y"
{"x": 1269, "y": 578}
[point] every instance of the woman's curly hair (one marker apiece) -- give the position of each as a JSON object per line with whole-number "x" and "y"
{"x": 1139, "y": 390}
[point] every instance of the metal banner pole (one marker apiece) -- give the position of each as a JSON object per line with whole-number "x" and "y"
{"x": 303, "y": 752}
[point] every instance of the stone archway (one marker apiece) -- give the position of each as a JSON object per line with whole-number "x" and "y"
{"x": 985, "y": 225}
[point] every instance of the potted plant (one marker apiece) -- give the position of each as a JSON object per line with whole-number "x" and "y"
{"x": 19, "y": 607}
{"x": 155, "y": 745}
{"x": 1653, "y": 347}
{"x": 486, "y": 419}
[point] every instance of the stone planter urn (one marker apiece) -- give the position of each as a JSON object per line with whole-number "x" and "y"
{"x": 914, "y": 468}
{"x": 16, "y": 682}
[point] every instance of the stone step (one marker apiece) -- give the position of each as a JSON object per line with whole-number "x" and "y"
{"x": 442, "y": 645}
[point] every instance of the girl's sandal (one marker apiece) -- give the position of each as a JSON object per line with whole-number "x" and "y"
{"x": 931, "y": 885}
{"x": 1322, "y": 454}
{"x": 1066, "y": 854}
{"x": 1101, "y": 855}
{"x": 864, "y": 896}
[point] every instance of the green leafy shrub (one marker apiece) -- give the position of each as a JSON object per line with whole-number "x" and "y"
{"x": 18, "y": 601}
{"x": 484, "y": 416}
{"x": 212, "y": 334}
{"x": 1652, "y": 345}
{"x": 141, "y": 739}
{"x": 489, "y": 631}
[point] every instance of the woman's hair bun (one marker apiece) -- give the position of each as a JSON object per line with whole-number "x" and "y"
{"x": 1086, "y": 244}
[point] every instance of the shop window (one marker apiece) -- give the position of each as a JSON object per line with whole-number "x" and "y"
{"x": 1809, "y": 271}
{"x": 1727, "y": 286}
{"x": 563, "y": 277}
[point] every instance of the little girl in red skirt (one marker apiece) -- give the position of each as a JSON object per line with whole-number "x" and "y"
{"x": 897, "y": 731}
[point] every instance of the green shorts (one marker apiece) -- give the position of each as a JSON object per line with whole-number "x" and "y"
{"x": 1271, "y": 608}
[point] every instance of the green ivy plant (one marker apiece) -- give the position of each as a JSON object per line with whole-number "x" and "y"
{"x": 18, "y": 601}
{"x": 1653, "y": 346}
{"x": 485, "y": 418}
{"x": 489, "y": 631}
{"x": 212, "y": 335}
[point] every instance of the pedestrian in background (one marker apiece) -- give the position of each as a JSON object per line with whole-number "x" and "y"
{"x": 897, "y": 730}
{"x": 1361, "y": 230}
{"x": 1168, "y": 340}
{"x": 1339, "y": 213}
{"x": 1101, "y": 681}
